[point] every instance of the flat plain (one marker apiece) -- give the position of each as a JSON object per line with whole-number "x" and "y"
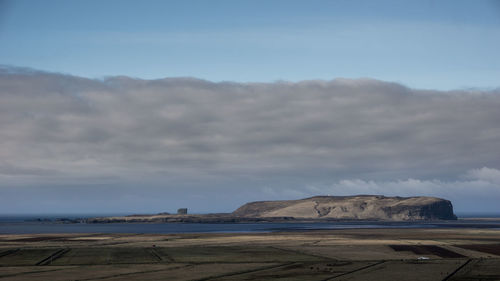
{"x": 343, "y": 254}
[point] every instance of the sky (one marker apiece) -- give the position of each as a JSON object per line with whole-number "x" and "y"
{"x": 150, "y": 106}
{"x": 431, "y": 44}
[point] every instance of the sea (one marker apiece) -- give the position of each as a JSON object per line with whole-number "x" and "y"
{"x": 32, "y": 224}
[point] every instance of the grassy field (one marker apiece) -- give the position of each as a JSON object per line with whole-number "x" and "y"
{"x": 26, "y": 256}
{"x": 361, "y": 254}
{"x": 233, "y": 254}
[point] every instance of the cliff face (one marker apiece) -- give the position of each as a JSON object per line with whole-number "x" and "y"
{"x": 365, "y": 207}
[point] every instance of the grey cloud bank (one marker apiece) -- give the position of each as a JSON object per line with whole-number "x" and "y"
{"x": 128, "y": 142}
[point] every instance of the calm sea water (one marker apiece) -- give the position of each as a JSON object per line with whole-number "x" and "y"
{"x": 25, "y": 225}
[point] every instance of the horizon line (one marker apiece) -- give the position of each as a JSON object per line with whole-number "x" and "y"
{"x": 15, "y": 69}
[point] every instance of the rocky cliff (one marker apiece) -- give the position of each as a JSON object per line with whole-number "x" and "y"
{"x": 361, "y": 207}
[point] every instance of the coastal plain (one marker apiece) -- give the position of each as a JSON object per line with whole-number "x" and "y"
{"x": 341, "y": 254}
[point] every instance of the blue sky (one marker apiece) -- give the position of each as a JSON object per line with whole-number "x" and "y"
{"x": 423, "y": 44}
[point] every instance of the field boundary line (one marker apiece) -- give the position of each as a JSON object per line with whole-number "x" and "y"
{"x": 155, "y": 254}
{"x": 31, "y": 272}
{"x": 165, "y": 255}
{"x": 53, "y": 257}
{"x": 353, "y": 271}
{"x": 138, "y": 272}
{"x": 457, "y": 270}
{"x": 8, "y": 252}
{"x": 244, "y": 271}
{"x": 303, "y": 253}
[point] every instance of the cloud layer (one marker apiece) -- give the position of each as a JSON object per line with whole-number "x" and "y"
{"x": 58, "y": 129}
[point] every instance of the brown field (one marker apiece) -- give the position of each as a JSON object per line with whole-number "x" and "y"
{"x": 486, "y": 248}
{"x": 349, "y": 254}
{"x": 427, "y": 250}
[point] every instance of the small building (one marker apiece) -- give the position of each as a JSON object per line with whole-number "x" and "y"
{"x": 182, "y": 211}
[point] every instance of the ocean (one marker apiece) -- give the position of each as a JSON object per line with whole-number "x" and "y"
{"x": 31, "y": 224}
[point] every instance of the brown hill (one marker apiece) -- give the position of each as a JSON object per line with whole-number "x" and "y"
{"x": 363, "y": 207}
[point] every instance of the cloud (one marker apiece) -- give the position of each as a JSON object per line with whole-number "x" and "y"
{"x": 188, "y": 128}
{"x": 485, "y": 174}
{"x": 412, "y": 187}
{"x": 152, "y": 139}
{"x": 478, "y": 190}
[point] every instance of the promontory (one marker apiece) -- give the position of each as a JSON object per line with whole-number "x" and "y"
{"x": 318, "y": 208}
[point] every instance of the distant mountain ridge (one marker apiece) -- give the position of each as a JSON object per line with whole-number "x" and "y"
{"x": 358, "y": 207}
